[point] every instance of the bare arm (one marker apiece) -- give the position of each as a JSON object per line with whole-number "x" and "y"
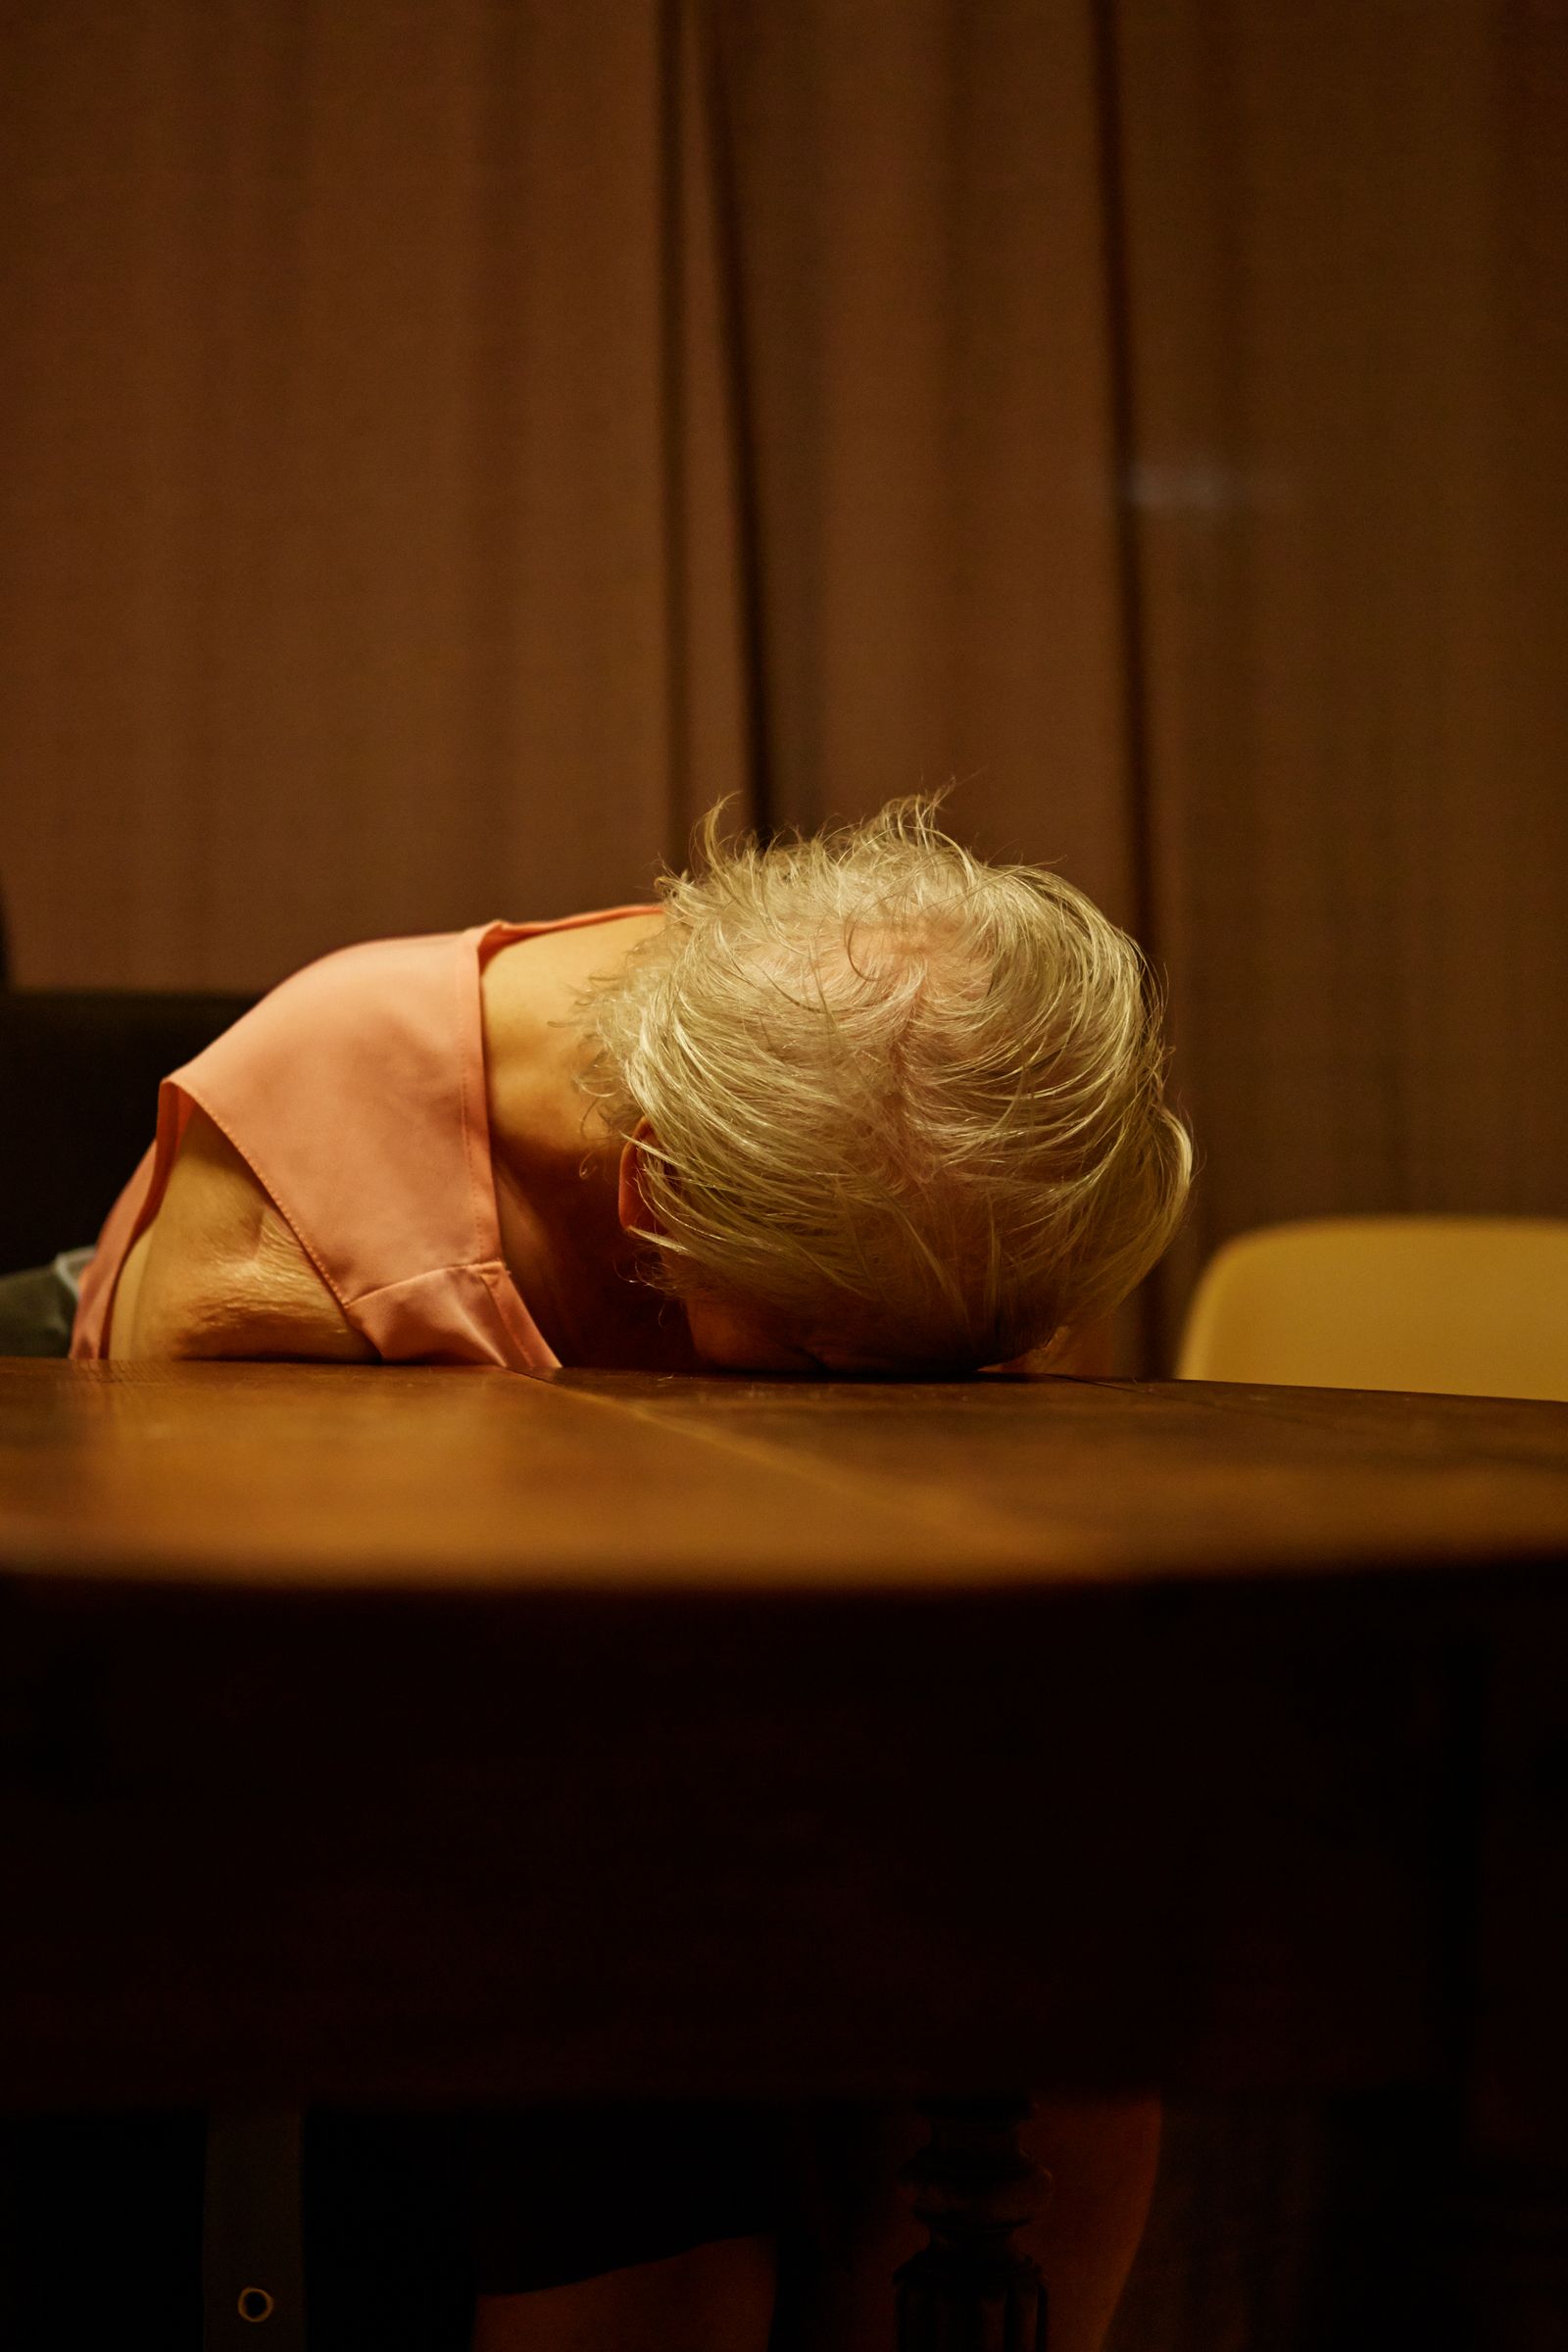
{"x": 219, "y": 1272}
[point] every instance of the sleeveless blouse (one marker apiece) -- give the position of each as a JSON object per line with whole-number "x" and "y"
{"x": 355, "y": 1094}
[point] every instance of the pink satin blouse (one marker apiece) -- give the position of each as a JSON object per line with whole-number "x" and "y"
{"x": 356, "y": 1094}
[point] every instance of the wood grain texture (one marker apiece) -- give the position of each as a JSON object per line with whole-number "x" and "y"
{"x": 390, "y": 1476}
{"x": 404, "y": 1735}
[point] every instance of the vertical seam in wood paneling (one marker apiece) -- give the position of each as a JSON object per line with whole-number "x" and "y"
{"x": 1117, "y": 311}
{"x": 672, "y": 411}
{"x": 736, "y": 370}
{"x": 1148, "y": 1305}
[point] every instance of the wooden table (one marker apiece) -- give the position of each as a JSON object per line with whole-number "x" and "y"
{"x": 401, "y": 1734}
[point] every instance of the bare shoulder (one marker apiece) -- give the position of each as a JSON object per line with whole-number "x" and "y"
{"x": 220, "y": 1271}
{"x": 530, "y": 991}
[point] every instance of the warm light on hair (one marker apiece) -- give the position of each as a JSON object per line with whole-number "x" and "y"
{"x": 898, "y": 1096}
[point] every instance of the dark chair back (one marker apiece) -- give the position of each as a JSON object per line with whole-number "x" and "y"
{"x": 78, "y": 1103}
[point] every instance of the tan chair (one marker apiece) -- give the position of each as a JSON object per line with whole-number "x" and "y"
{"x": 1471, "y": 1306}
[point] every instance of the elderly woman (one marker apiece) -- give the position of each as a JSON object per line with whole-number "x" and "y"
{"x": 853, "y": 1105}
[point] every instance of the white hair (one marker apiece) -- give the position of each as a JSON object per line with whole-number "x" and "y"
{"x": 896, "y": 1095}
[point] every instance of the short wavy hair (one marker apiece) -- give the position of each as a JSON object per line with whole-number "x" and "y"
{"x": 896, "y": 1095}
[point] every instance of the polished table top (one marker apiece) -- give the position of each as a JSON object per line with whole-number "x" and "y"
{"x": 414, "y": 1732}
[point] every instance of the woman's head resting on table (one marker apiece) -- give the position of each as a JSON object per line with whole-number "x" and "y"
{"x": 884, "y": 1106}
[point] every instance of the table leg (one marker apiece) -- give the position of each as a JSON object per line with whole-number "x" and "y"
{"x": 970, "y": 2290}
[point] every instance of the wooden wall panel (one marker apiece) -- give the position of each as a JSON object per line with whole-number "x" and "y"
{"x": 450, "y": 444}
{"x": 1345, "y": 244}
{"x": 919, "y": 214}
{"x": 335, "y": 590}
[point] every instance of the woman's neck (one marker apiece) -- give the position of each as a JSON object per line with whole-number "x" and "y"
{"x": 557, "y": 1166}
